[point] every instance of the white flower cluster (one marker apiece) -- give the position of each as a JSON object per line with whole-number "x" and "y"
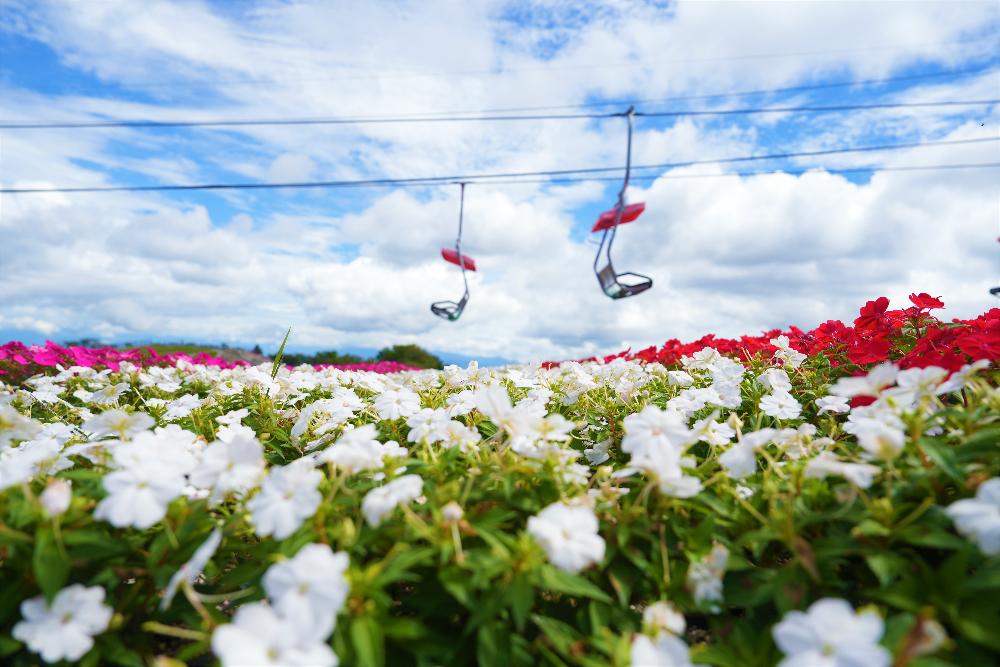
{"x": 681, "y": 431}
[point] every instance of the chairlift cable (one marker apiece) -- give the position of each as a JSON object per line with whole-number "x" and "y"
{"x": 437, "y": 180}
{"x": 385, "y": 120}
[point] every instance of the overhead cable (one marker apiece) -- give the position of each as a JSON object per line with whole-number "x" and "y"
{"x": 373, "y": 120}
{"x": 432, "y": 180}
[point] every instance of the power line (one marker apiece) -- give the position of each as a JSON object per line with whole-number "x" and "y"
{"x": 742, "y": 174}
{"x": 433, "y": 180}
{"x": 371, "y": 120}
{"x": 739, "y": 93}
{"x": 815, "y": 109}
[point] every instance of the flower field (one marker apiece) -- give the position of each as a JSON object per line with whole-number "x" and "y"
{"x": 827, "y": 498}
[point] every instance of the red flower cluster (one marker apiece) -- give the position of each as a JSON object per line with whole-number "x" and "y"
{"x": 910, "y": 337}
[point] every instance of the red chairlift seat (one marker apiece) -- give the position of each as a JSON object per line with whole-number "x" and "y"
{"x": 607, "y": 219}
{"x": 451, "y": 255}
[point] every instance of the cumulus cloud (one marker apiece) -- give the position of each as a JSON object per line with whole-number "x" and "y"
{"x": 728, "y": 254}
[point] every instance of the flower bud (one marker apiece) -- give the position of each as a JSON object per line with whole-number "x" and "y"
{"x": 56, "y": 496}
{"x": 452, "y": 512}
{"x": 663, "y": 617}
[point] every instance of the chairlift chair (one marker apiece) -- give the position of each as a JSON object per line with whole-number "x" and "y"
{"x": 451, "y": 310}
{"x": 609, "y": 279}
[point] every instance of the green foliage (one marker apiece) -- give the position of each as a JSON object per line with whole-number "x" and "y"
{"x": 411, "y": 355}
{"x": 325, "y": 357}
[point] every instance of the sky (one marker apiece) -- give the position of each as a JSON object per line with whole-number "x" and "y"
{"x": 357, "y": 268}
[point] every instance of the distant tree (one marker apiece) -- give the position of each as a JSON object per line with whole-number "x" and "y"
{"x": 324, "y": 357}
{"x": 410, "y": 354}
{"x": 256, "y": 350}
{"x": 84, "y": 342}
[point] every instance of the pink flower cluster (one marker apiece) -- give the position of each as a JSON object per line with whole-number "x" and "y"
{"x": 19, "y": 361}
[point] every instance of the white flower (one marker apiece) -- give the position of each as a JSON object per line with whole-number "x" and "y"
{"x": 15, "y": 426}
{"x": 873, "y": 384}
{"x": 517, "y": 421}
{"x": 859, "y": 474}
{"x": 665, "y": 650}
{"x": 233, "y": 418}
{"x": 785, "y": 353}
{"x": 30, "y": 458}
{"x": 674, "y": 483}
{"x": 713, "y": 432}
{"x": 65, "y": 629}
{"x": 358, "y": 449}
{"x": 702, "y": 359}
{"x": 232, "y": 464}
{"x": 654, "y": 428}
{"x": 56, "y": 497}
{"x": 380, "y": 501}
{"x": 323, "y": 416}
{"x": 459, "y": 435}
{"x": 260, "y": 637}
{"x": 979, "y": 518}
{"x": 833, "y": 404}
{"x": 598, "y": 453}
{"x": 461, "y": 403}
{"x": 108, "y": 394}
{"x": 151, "y": 474}
{"x": 182, "y": 407}
{"x": 704, "y": 577}
{"x": 963, "y": 376}
{"x": 679, "y": 378}
{"x": 312, "y": 586}
{"x": 429, "y": 424}
{"x": 117, "y": 422}
{"x": 880, "y": 440}
{"x": 396, "y": 403}
{"x": 781, "y": 405}
{"x": 775, "y": 379}
{"x": 663, "y": 617}
{"x": 569, "y": 536}
{"x": 192, "y": 569}
{"x": 831, "y": 634}
{"x": 915, "y": 384}
{"x": 288, "y": 497}
{"x": 740, "y": 460}
{"x": 743, "y": 492}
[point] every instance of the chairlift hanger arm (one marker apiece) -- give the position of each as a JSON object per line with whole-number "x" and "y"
{"x": 609, "y": 280}
{"x": 452, "y": 310}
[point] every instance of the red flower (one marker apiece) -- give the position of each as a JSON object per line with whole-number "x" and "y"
{"x": 925, "y": 301}
{"x": 872, "y": 317}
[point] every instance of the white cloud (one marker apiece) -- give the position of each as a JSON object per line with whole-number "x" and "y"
{"x": 730, "y": 255}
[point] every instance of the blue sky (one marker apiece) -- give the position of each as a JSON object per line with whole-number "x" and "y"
{"x": 356, "y": 269}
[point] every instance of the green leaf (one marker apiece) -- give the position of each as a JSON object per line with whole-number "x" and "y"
{"x": 944, "y": 457}
{"x": 886, "y": 566}
{"x": 931, "y": 536}
{"x": 403, "y": 628}
{"x": 520, "y": 598}
{"x": 9, "y": 645}
{"x": 984, "y": 633}
{"x": 277, "y": 357}
{"x": 560, "y": 634}
{"x": 50, "y": 567}
{"x": 493, "y": 645}
{"x": 368, "y": 642}
{"x": 557, "y": 580}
